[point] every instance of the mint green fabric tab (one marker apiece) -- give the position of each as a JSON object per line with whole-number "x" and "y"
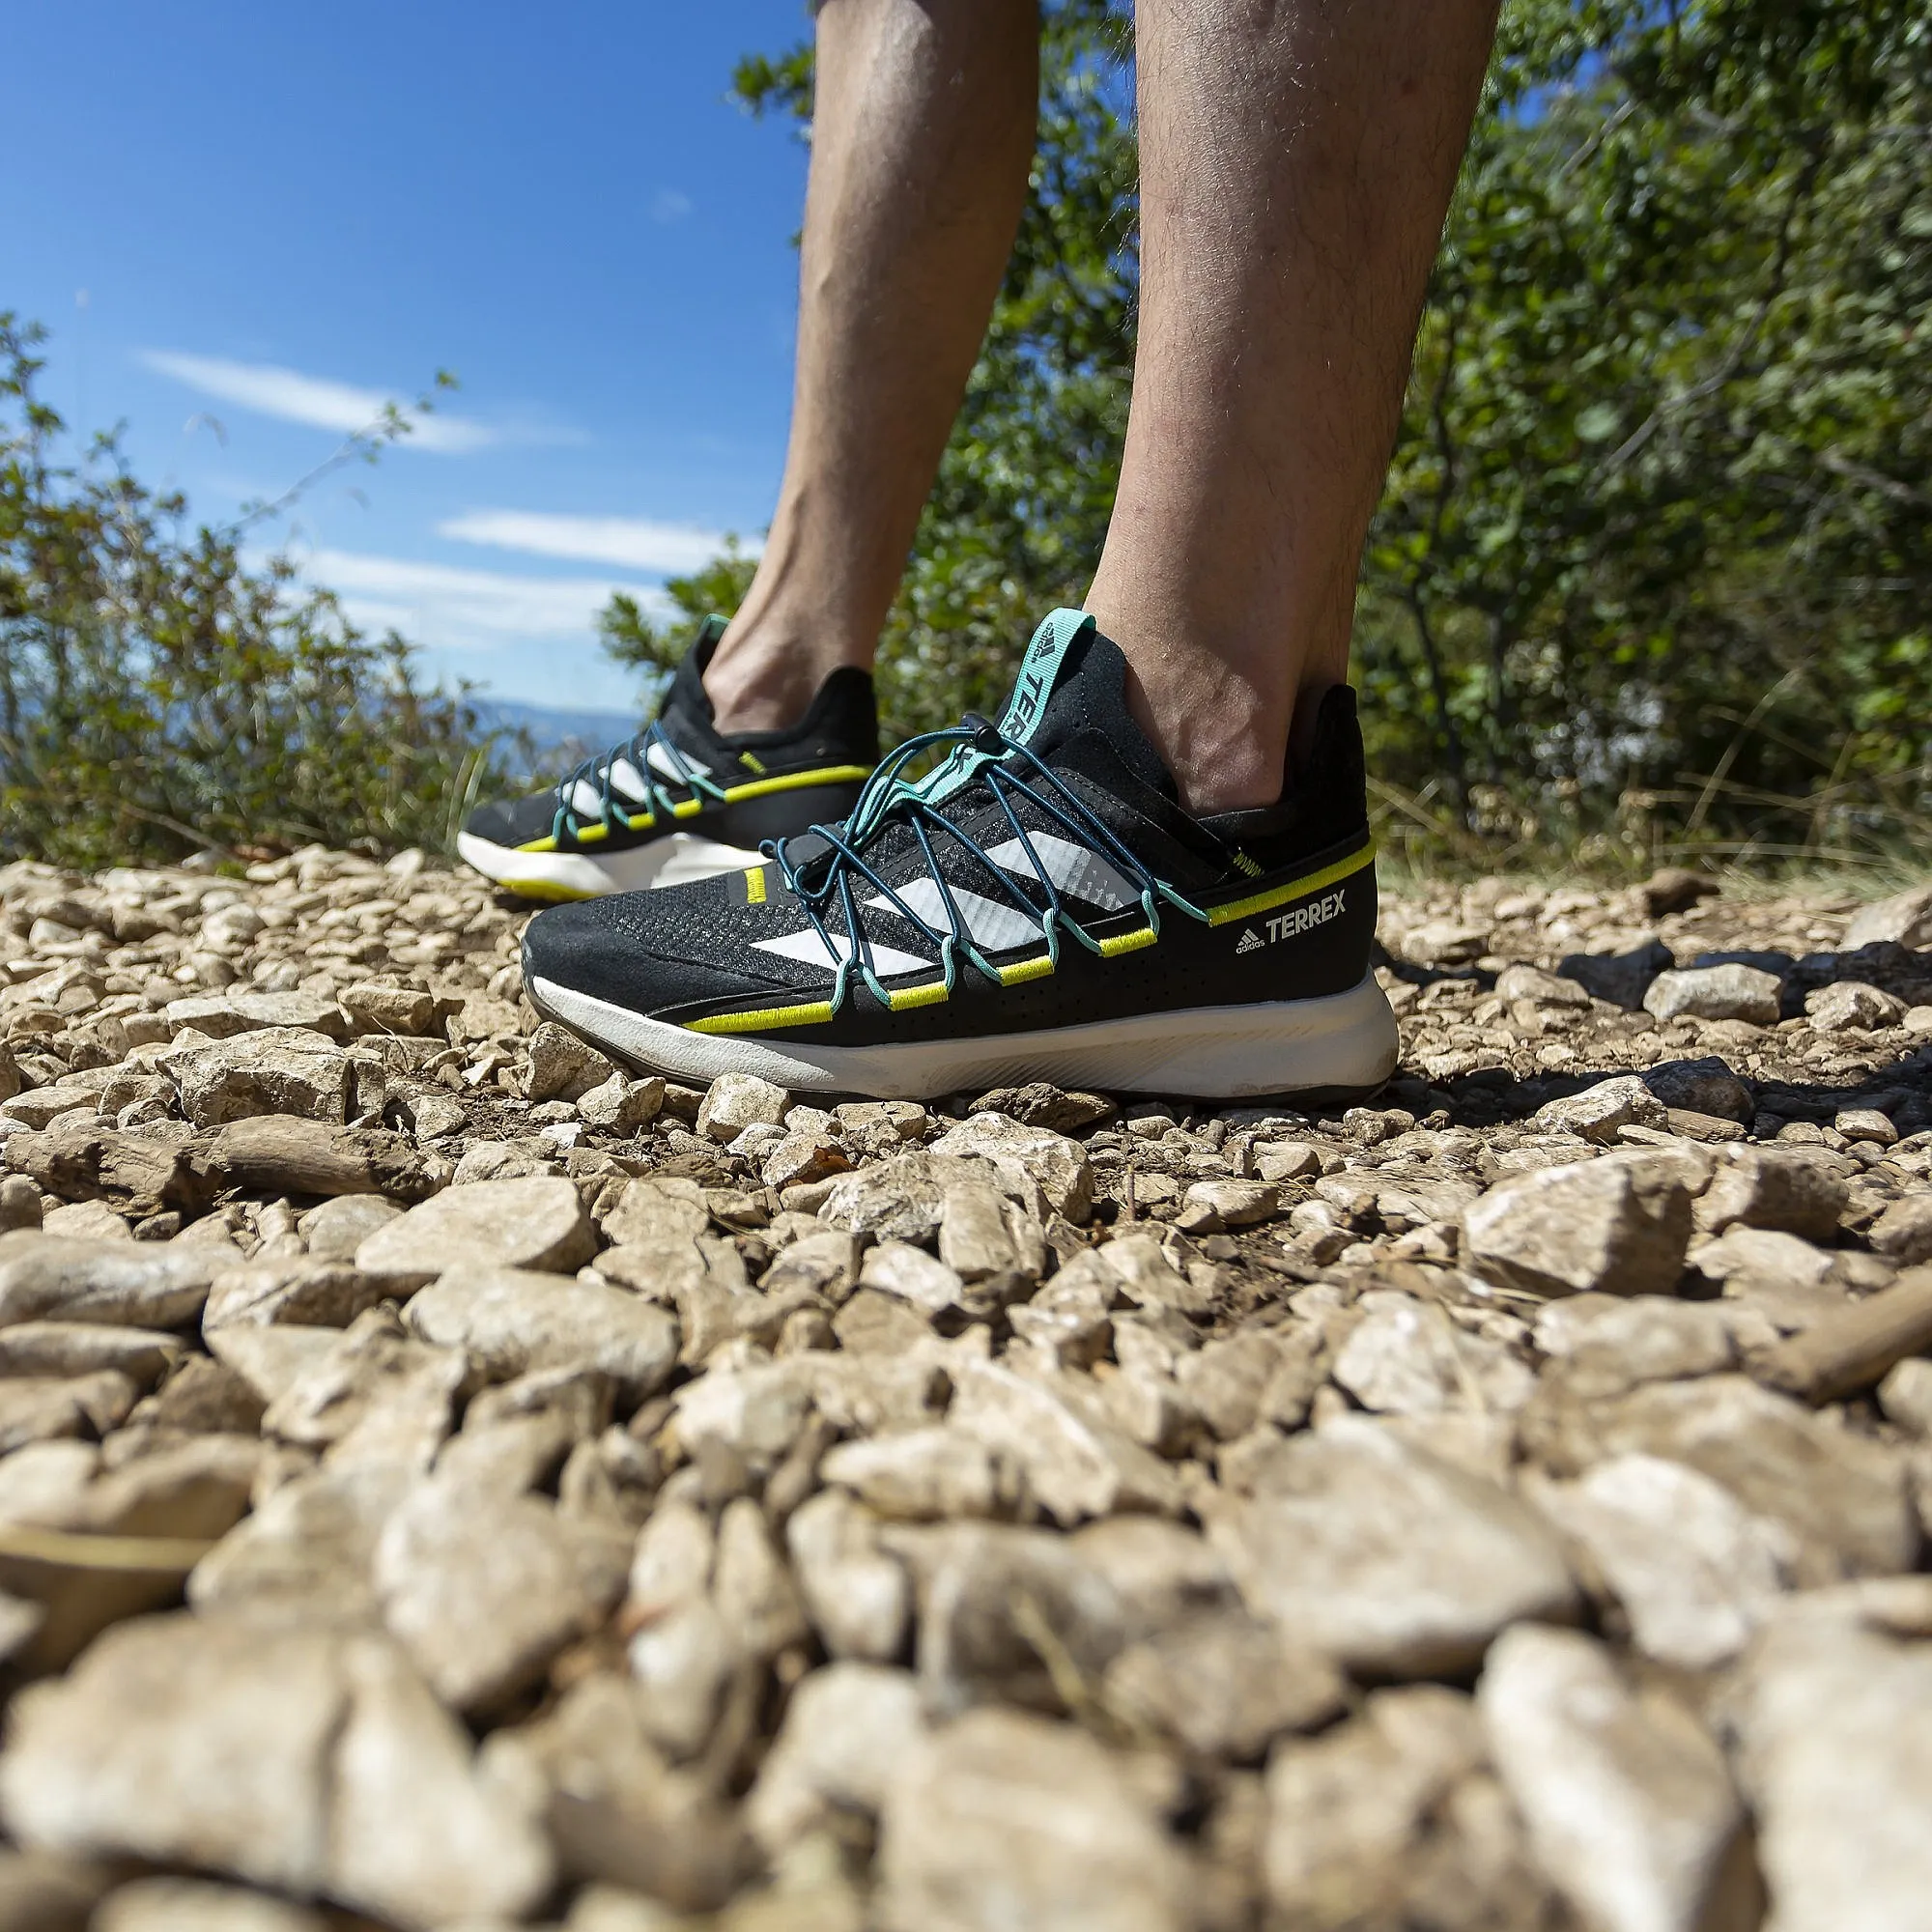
{"x": 1040, "y": 671}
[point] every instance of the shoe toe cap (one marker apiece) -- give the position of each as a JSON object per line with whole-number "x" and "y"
{"x": 608, "y": 950}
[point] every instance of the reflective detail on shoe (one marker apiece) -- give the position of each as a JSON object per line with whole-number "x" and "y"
{"x": 675, "y": 860}
{"x": 1313, "y": 882}
{"x": 996, "y": 927}
{"x": 812, "y": 1013}
{"x": 831, "y": 950}
{"x": 1072, "y": 867}
{"x": 754, "y": 886}
{"x": 1341, "y": 1045}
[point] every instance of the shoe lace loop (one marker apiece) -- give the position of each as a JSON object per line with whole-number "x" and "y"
{"x": 984, "y": 758}
{"x": 635, "y": 752}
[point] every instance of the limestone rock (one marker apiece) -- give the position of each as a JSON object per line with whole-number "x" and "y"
{"x": 536, "y": 1223}
{"x": 1839, "y": 1773}
{"x": 483, "y": 1590}
{"x": 1598, "y": 1112}
{"x": 276, "y": 1070}
{"x": 1905, "y": 919}
{"x": 1385, "y": 1556}
{"x": 302, "y": 1761}
{"x": 223, "y": 1015}
{"x": 1405, "y": 1357}
{"x": 1782, "y": 1189}
{"x": 562, "y": 1067}
{"x": 1842, "y": 1496}
{"x": 1602, "y": 1345}
{"x": 125, "y": 1284}
{"x": 1695, "y": 1571}
{"x": 1056, "y": 1164}
{"x": 1001, "y": 1819}
{"x": 1630, "y": 1807}
{"x": 848, "y": 1730}
{"x": 1620, "y": 1223}
{"x": 1728, "y": 992}
{"x": 189, "y": 1905}
{"x": 736, "y": 1101}
{"x": 376, "y": 1396}
{"x": 859, "y": 1599}
{"x": 513, "y": 1321}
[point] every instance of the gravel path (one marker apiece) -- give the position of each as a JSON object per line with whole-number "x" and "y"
{"x": 448, "y": 1483}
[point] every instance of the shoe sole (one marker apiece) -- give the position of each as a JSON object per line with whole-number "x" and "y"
{"x": 1341, "y": 1046}
{"x": 675, "y": 859}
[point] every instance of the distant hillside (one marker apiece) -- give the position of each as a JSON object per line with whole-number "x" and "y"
{"x": 557, "y": 736}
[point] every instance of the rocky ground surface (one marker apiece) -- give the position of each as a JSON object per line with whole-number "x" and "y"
{"x": 445, "y": 1482}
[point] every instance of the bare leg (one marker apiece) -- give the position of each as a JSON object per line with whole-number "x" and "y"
{"x": 1297, "y": 162}
{"x": 922, "y": 134}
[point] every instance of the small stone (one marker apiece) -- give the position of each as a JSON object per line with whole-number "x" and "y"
{"x": 1842, "y": 1496}
{"x": 914, "y": 1276}
{"x": 189, "y": 1905}
{"x": 620, "y": 1104}
{"x": 1056, "y": 1164}
{"x": 857, "y": 1597}
{"x": 125, "y": 1284}
{"x": 1866, "y": 1123}
{"x": 562, "y": 1067}
{"x": 296, "y": 1760}
{"x": 1005, "y": 1819}
{"x": 1224, "y": 1685}
{"x": 1279, "y": 1161}
{"x": 922, "y": 1475}
{"x": 1629, "y": 1805}
{"x": 276, "y": 1070}
{"x": 1728, "y": 992}
{"x": 1620, "y": 1224}
{"x": 1405, "y": 1357}
{"x": 1707, "y": 1087}
{"x": 1849, "y": 1006}
{"x": 659, "y": 1208}
{"x": 1837, "y": 1765}
{"x": 84, "y": 1348}
{"x": 1903, "y": 920}
{"x": 1602, "y": 1345}
{"x": 223, "y": 1015}
{"x": 484, "y": 1591}
{"x": 1695, "y": 1571}
{"x": 373, "y": 1396}
{"x": 1901, "y": 1233}
{"x": 1905, "y": 1396}
{"x": 336, "y": 1229}
{"x": 513, "y": 1322}
{"x": 736, "y": 1101}
{"x": 393, "y": 1009}
{"x": 1210, "y": 1206}
{"x": 1598, "y": 1112}
{"x": 847, "y": 1733}
{"x": 1076, "y": 1466}
{"x": 1444, "y": 942}
{"x": 1039, "y": 1105}
{"x": 1384, "y": 1557}
{"x": 1779, "y": 1188}
{"x": 537, "y": 1223}
{"x": 798, "y": 1159}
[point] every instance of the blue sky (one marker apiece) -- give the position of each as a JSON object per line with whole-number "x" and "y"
{"x": 245, "y": 225}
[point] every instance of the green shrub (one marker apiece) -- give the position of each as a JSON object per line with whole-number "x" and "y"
{"x": 161, "y": 695}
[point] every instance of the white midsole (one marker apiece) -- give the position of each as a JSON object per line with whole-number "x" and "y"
{"x": 1342, "y": 1044}
{"x": 675, "y": 859}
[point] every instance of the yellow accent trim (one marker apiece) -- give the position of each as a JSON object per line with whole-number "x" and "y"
{"x": 754, "y": 886}
{"x": 750, "y": 764}
{"x": 543, "y": 889}
{"x": 1276, "y": 896}
{"x": 929, "y": 995}
{"x": 539, "y": 845}
{"x": 793, "y": 780}
{"x": 813, "y": 1014}
{"x": 1127, "y": 942}
{"x": 1021, "y": 971}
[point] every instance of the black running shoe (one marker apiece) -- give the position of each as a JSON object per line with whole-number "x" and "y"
{"x": 679, "y": 801}
{"x": 1039, "y": 907}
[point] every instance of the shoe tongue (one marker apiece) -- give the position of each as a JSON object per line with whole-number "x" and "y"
{"x": 687, "y": 702}
{"x": 1072, "y": 683}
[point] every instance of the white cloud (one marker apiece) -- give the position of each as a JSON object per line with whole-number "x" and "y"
{"x": 631, "y": 543}
{"x": 450, "y": 608}
{"x": 669, "y": 204}
{"x": 294, "y": 397}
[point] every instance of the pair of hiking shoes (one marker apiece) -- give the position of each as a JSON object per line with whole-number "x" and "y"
{"x": 1038, "y": 905}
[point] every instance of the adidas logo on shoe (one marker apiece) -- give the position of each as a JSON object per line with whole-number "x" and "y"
{"x": 1250, "y": 941}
